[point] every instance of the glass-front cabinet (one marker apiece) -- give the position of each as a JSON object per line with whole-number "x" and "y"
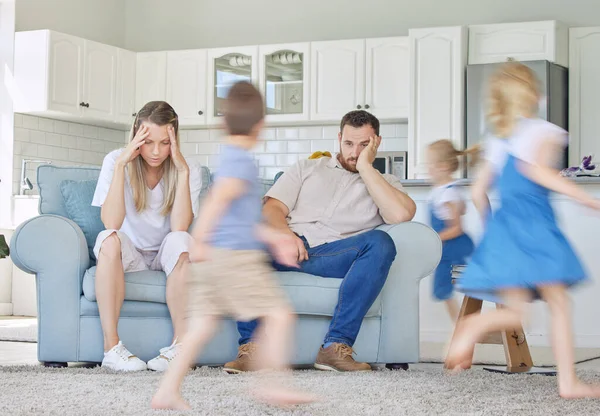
{"x": 283, "y": 75}
{"x": 226, "y": 67}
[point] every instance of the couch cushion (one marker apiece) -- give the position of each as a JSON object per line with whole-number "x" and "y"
{"x": 49, "y": 178}
{"x": 78, "y": 197}
{"x": 310, "y": 295}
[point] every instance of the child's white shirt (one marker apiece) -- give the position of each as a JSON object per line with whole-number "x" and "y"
{"x": 441, "y": 195}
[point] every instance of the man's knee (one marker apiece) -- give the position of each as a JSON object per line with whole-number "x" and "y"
{"x": 382, "y": 242}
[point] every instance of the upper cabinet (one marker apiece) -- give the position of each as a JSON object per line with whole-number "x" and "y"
{"x": 369, "y": 74}
{"x": 150, "y": 78}
{"x": 283, "y": 79}
{"x": 527, "y": 41}
{"x": 225, "y": 67}
{"x": 68, "y": 77}
{"x": 584, "y": 90}
{"x": 126, "y": 63}
{"x": 186, "y": 86}
{"x": 437, "y": 84}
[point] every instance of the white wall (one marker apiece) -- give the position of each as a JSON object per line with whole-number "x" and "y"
{"x": 99, "y": 20}
{"x": 181, "y": 24}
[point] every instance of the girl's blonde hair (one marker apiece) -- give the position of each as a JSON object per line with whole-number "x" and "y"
{"x": 161, "y": 114}
{"x": 445, "y": 152}
{"x": 513, "y": 92}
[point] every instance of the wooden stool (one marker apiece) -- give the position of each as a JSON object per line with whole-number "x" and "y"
{"x": 516, "y": 349}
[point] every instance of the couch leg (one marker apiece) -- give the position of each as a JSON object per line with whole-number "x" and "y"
{"x": 395, "y": 366}
{"x": 53, "y": 364}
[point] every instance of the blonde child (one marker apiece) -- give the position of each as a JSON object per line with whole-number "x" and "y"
{"x": 446, "y": 207}
{"x": 523, "y": 254}
{"x": 230, "y": 271}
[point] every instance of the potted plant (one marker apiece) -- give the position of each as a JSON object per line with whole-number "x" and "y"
{"x": 4, "y": 250}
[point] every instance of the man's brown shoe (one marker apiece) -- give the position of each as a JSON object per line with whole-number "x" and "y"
{"x": 244, "y": 361}
{"x": 338, "y": 357}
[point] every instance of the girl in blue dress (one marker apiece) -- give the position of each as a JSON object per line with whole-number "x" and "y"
{"x": 446, "y": 207}
{"x": 523, "y": 254}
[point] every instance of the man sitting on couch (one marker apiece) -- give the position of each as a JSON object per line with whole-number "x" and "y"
{"x": 332, "y": 206}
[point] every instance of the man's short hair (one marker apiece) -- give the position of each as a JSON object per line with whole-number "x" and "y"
{"x": 244, "y": 108}
{"x": 359, "y": 118}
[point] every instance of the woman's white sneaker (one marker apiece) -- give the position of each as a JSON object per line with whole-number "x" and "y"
{"x": 167, "y": 354}
{"x": 119, "y": 358}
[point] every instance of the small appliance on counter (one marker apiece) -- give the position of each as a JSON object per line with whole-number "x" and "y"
{"x": 393, "y": 163}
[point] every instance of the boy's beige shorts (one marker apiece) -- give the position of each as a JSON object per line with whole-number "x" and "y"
{"x": 235, "y": 283}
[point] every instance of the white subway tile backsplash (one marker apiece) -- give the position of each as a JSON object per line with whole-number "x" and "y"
{"x": 276, "y": 147}
{"x": 21, "y": 134}
{"x": 38, "y": 137}
{"x": 299, "y": 147}
{"x": 197, "y": 135}
{"x": 29, "y": 149}
{"x": 69, "y": 142}
{"x": 387, "y": 130}
{"x": 322, "y": 145}
{"x": 18, "y": 122}
{"x": 17, "y": 148}
{"x": 287, "y": 133}
{"x": 216, "y": 134}
{"x": 97, "y": 146}
{"x": 89, "y": 157}
{"x": 268, "y": 134}
{"x": 266, "y": 160}
{"x": 110, "y": 146}
{"x": 45, "y": 124}
{"x": 60, "y": 153}
{"x": 393, "y": 145}
{"x": 76, "y": 129}
{"x": 53, "y": 139}
{"x": 30, "y": 122}
{"x": 401, "y": 130}
{"x": 75, "y": 155}
{"x": 61, "y": 127}
{"x": 313, "y": 132}
{"x": 189, "y": 148}
{"x": 208, "y": 148}
{"x": 83, "y": 143}
{"x": 271, "y": 172}
{"x": 259, "y": 147}
{"x": 91, "y": 132}
{"x": 45, "y": 152}
{"x": 117, "y": 136}
{"x": 330, "y": 132}
{"x": 286, "y": 160}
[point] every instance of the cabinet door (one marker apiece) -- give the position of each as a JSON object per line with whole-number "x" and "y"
{"x": 99, "y": 80}
{"x": 283, "y": 76}
{"x": 437, "y": 72}
{"x": 150, "y": 78}
{"x": 227, "y": 66}
{"x": 337, "y": 78}
{"x": 186, "y": 86}
{"x": 387, "y": 78}
{"x": 584, "y": 90}
{"x": 525, "y": 41}
{"x": 65, "y": 74}
{"x": 125, "y": 86}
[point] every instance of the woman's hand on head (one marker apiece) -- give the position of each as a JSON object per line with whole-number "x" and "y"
{"x": 132, "y": 150}
{"x": 176, "y": 156}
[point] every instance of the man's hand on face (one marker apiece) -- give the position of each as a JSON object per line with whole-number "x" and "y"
{"x": 367, "y": 156}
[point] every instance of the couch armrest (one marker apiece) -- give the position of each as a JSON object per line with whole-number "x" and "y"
{"x": 419, "y": 250}
{"x": 55, "y": 250}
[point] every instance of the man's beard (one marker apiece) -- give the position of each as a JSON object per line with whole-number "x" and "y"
{"x": 346, "y": 165}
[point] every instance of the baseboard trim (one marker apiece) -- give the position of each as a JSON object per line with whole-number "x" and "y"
{"x": 6, "y": 309}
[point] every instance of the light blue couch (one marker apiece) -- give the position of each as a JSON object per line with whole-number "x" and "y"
{"x": 54, "y": 248}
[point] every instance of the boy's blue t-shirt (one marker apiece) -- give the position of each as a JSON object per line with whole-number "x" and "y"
{"x": 236, "y": 229}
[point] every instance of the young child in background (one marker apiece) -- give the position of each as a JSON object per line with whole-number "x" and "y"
{"x": 523, "y": 254}
{"x": 446, "y": 207}
{"x": 230, "y": 272}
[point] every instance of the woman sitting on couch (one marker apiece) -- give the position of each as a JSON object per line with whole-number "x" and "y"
{"x": 149, "y": 196}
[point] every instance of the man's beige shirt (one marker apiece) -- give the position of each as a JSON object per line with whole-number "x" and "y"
{"x": 326, "y": 202}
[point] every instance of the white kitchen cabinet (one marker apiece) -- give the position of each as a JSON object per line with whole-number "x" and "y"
{"x": 186, "y": 86}
{"x": 65, "y": 77}
{"x": 337, "y": 78}
{"x": 284, "y": 72}
{"x": 437, "y": 71}
{"x": 125, "y": 86}
{"x": 387, "y": 77}
{"x": 525, "y": 41}
{"x": 227, "y": 66}
{"x": 99, "y": 81}
{"x": 150, "y": 78}
{"x": 584, "y": 90}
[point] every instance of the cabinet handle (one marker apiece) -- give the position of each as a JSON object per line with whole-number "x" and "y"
{"x": 359, "y": 106}
{"x": 82, "y": 104}
{"x": 134, "y": 114}
{"x": 86, "y": 105}
{"x": 367, "y": 106}
{"x": 200, "y": 112}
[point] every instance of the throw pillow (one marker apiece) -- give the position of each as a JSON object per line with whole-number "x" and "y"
{"x": 78, "y": 197}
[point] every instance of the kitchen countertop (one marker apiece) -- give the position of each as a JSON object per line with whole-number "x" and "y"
{"x": 581, "y": 180}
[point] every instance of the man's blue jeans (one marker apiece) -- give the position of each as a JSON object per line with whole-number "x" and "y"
{"x": 363, "y": 261}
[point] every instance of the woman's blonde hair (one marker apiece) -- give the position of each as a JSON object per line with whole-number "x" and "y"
{"x": 161, "y": 114}
{"x": 513, "y": 92}
{"x": 445, "y": 152}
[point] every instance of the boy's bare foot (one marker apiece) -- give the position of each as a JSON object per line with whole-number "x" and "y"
{"x": 578, "y": 390}
{"x": 278, "y": 396}
{"x": 169, "y": 401}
